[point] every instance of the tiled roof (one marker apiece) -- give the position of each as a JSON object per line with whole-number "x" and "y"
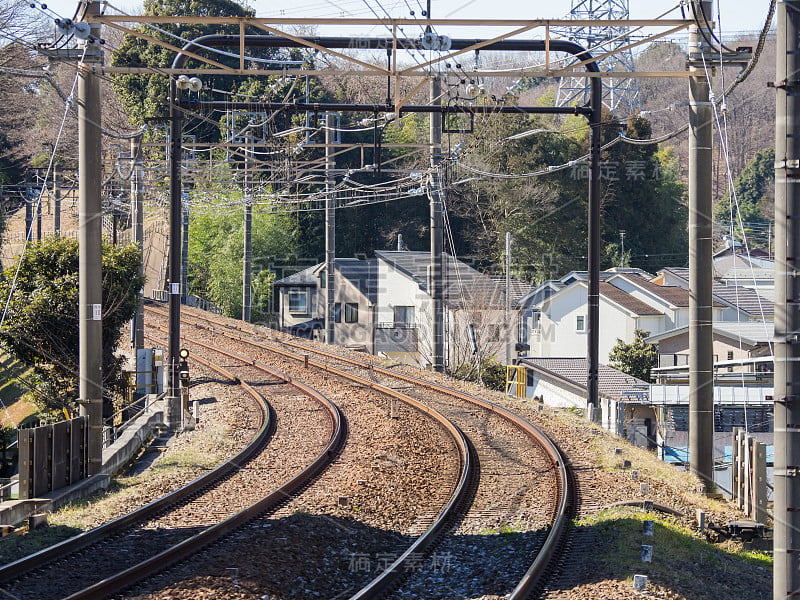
{"x": 743, "y": 275}
{"x": 672, "y": 294}
{"x": 750, "y": 332}
{"x": 627, "y": 301}
{"x": 304, "y": 278}
{"x": 604, "y": 275}
{"x": 745, "y": 299}
{"x": 464, "y": 286}
{"x": 611, "y": 382}
{"x": 680, "y": 272}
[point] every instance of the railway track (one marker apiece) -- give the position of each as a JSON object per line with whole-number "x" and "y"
{"x": 516, "y": 463}
{"x": 440, "y": 502}
{"x": 185, "y": 520}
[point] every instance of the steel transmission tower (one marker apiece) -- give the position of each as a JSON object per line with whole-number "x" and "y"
{"x": 619, "y": 95}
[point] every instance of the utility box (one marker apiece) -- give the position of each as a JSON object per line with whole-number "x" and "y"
{"x": 149, "y": 371}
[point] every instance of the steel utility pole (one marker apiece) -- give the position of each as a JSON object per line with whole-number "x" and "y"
{"x": 137, "y": 202}
{"x": 330, "y": 232}
{"x": 174, "y": 405}
{"x": 701, "y": 219}
{"x": 786, "y": 552}
{"x": 90, "y": 291}
{"x": 248, "y": 232}
{"x": 594, "y": 212}
{"x": 436, "y": 283}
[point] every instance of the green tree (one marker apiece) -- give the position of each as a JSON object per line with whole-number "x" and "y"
{"x": 216, "y": 240}
{"x": 637, "y": 358}
{"x": 546, "y": 215}
{"x": 145, "y": 94}
{"x": 41, "y": 321}
{"x": 644, "y": 197}
{"x": 755, "y": 195}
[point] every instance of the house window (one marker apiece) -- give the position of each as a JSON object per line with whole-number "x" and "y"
{"x": 298, "y": 301}
{"x": 337, "y": 312}
{"x": 403, "y": 316}
{"x": 351, "y": 312}
{"x": 493, "y": 333}
{"x": 323, "y": 279}
{"x": 730, "y": 354}
{"x": 580, "y": 323}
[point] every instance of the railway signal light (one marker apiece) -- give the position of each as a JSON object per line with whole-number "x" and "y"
{"x": 183, "y": 367}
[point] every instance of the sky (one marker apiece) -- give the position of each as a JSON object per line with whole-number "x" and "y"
{"x": 735, "y": 15}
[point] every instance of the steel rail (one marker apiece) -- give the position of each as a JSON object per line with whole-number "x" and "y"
{"x": 389, "y": 576}
{"x": 74, "y": 544}
{"x": 536, "y": 574}
{"x": 468, "y": 472}
{"x": 267, "y": 504}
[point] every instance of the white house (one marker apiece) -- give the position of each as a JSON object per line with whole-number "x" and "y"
{"x": 475, "y": 310}
{"x": 554, "y": 317}
{"x": 562, "y": 382}
{"x": 384, "y": 306}
{"x": 303, "y": 298}
{"x": 559, "y": 326}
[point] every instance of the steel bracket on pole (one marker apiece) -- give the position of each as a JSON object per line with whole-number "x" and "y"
{"x": 708, "y": 58}
{"x": 788, "y": 472}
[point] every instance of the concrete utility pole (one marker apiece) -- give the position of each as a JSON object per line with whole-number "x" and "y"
{"x": 701, "y": 267}
{"x": 90, "y": 291}
{"x": 28, "y": 206}
{"x": 786, "y": 569}
{"x": 436, "y": 283}
{"x": 330, "y": 231}
{"x": 137, "y": 201}
{"x": 56, "y": 203}
{"x": 508, "y": 298}
{"x": 247, "y": 261}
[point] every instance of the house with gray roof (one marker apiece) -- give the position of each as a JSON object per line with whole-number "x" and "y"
{"x": 555, "y": 319}
{"x": 474, "y": 307}
{"x": 303, "y": 297}
{"x": 739, "y": 347}
{"x": 742, "y": 301}
{"x": 384, "y": 306}
{"x": 562, "y": 382}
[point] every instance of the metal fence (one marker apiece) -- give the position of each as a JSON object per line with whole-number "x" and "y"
{"x": 52, "y": 456}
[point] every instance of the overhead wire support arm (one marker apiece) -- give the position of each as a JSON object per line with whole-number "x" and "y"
{"x": 593, "y": 111}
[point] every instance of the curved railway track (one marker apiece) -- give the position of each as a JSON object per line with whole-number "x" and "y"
{"x": 494, "y": 451}
{"x": 95, "y": 556}
{"x": 444, "y": 513}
